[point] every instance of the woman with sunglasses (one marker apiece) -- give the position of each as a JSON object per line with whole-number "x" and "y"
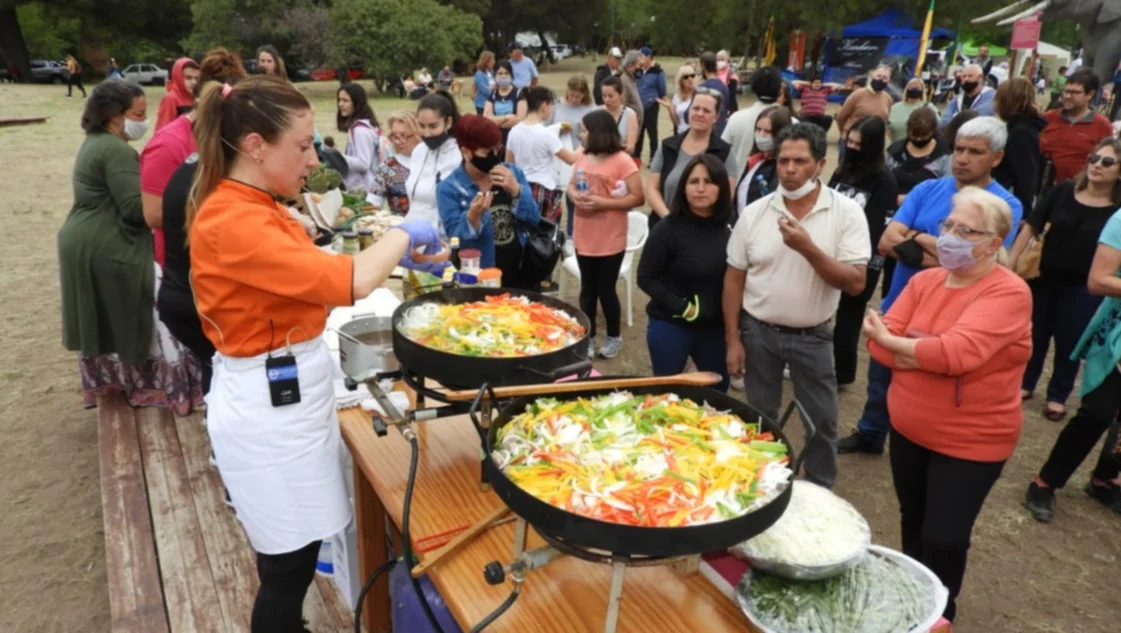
{"x": 956, "y": 339}
{"x": 1100, "y": 347}
{"x": 1070, "y": 218}
{"x": 682, "y": 97}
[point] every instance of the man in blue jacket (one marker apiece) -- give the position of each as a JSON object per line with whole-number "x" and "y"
{"x": 975, "y": 95}
{"x": 651, "y": 89}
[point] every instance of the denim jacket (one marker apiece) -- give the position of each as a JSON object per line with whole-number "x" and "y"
{"x": 454, "y": 197}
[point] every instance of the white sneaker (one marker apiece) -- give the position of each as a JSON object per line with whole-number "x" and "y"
{"x": 786, "y": 373}
{"x": 592, "y": 349}
{"x": 737, "y": 383}
{"x": 611, "y": 347}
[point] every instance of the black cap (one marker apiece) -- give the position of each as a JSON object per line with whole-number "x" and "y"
{"x": 515, "y": 46}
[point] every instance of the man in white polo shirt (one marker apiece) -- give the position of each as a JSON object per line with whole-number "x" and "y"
{"x": 790, "y": 256}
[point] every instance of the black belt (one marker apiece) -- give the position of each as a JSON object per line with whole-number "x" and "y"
{"x": 785, "y": 329}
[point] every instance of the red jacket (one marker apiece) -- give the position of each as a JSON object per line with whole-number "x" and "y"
{"x": 177, "y": 95}
{"x": 1070, "y": 142}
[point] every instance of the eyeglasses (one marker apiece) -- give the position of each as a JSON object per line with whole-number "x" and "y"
{"x": 1106, "y": 161}
{"x": 689, "y": 76}
{"x": 1073, "y": 92}
{"x": 946, "y": 227}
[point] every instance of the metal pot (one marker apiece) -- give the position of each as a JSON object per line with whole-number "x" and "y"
{"x": 371, "y": 355}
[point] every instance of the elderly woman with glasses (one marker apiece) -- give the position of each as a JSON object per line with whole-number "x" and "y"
{"x": 957, "y": 340}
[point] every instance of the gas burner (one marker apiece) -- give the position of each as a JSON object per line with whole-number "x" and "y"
{"x": 528, "y": 560}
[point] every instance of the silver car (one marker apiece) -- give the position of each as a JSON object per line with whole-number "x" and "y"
{"x": 150, "y": 74}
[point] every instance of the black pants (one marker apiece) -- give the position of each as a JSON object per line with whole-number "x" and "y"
{"x": 649, "y": 127}
{"x": 1095, "y": 415}
{"x": 182, "y": 320}
{"x": 939, "y": 500}
{"x": 846, "y": 332}
{"x": 889, "y": 272}
{"x": 598, "y": 276}
{"x": 75, "y": 80}
{"x": 823, "y": 121}
{"x": 285, "y": 579}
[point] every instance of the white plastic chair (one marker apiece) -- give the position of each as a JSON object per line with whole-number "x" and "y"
{"x": 638, "y": 229}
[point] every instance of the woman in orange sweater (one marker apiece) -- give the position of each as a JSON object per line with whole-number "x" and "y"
{"x": 958, "y": 338}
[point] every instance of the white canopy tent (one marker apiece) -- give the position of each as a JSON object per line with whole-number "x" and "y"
{"x": 1050, "y": 55}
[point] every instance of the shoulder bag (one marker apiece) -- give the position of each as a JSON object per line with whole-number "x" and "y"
{"x": 1027, "y": 266}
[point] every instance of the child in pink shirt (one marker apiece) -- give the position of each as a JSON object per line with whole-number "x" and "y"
{"x": 605, "y": 186}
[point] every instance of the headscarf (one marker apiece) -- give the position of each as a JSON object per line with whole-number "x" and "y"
{"x": 177, "y": 94}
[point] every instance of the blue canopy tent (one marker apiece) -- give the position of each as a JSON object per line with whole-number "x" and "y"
{"x": 889, "y": 38}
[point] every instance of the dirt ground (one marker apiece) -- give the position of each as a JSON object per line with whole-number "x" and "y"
{"x": 1023, "y": 576}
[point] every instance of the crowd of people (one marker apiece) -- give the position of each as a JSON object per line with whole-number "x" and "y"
{"x": 989, "y": 230}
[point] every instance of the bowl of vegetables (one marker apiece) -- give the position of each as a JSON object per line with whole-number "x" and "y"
{"x": 885, "y": 592}
{"x": 819, "y": 536}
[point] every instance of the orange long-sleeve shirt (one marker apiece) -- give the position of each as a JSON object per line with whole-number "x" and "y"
{"x": 252, "y": 264}
{"x": 964, "y": 400}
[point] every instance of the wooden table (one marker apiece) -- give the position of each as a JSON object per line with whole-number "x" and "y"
{"x": 566, "y": 596}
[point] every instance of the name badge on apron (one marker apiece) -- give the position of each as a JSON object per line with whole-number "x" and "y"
{"x": 284, "y": 380}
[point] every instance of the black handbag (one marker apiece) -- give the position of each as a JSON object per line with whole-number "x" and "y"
{"x": 542, "y": 251}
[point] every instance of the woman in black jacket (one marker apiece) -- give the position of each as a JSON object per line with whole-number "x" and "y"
{"x": 864, "y": 177}
{"x": 1019, "y": 172}
{"x": 682, "y": 269}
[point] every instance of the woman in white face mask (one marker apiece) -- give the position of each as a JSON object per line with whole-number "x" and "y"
{"x": 106, "y": 262}
{"x": 758, "y": 177}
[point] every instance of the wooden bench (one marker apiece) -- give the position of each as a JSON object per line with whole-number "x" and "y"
{"x": 178, "y": 561}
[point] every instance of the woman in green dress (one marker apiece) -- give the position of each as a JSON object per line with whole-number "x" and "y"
{"x": 108, "y": 271}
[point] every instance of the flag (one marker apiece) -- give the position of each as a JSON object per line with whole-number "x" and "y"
{"x": 924, "y": 42}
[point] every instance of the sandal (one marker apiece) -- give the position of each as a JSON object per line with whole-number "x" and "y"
{"x": 1025, "y": 395}
{"x": 1055, "y": 415}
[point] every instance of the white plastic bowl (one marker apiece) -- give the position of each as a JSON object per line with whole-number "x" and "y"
{"x": 941, "y": 595}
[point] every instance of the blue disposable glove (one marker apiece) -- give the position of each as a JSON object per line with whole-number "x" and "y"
{"x": 420, "y": 233}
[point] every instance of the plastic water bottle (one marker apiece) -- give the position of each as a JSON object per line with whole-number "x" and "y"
{"x": 581, "y": 181}
{"x": 325, "y": 564}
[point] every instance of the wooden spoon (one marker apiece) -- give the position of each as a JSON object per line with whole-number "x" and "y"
{"x": 692, "y": 379}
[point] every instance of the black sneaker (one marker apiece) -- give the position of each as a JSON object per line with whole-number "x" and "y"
{"x": 860, "y": 443}
{"x": 1109, "y": 496}
{"x": 1038, "y": 501}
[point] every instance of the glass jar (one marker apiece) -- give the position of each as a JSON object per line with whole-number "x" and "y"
{"x": 365, "y": 238}
{"x": 351, "y": 246}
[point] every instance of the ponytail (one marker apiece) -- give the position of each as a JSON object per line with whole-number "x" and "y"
{"x": 257, "y": 105}
{"x": 213, "y": 161}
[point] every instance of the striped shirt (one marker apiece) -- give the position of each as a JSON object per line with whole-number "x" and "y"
{"x": 813, "y": 101}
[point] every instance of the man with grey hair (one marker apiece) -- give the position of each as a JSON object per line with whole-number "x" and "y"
{"x": 975, "y": 95}
{"x": 629, "y": 77}
{"x": 911, "y": 239}
{"x": 790, "y": 256}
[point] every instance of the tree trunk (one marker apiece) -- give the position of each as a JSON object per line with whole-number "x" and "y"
{"x": 15, "y": 47}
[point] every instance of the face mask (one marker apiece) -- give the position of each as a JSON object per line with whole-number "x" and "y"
{"x": 434, "y": 142}
{"x": 721, "y": 64}
{"x": 878, "y": 84}
{"x": 486, "y": 163}
{"x": 955, "y": 253}
{"x": 969, "y": 86}
{"x": 800, "y": 192}
{"x": 135, "y": 130}
{"x": 921, "y": 143}
{"x": 503, "y": 82}
{"x": 764, "y": 143}
{"x": 914, "y": 93}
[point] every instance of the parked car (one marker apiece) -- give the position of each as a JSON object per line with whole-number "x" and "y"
{"x": 326, "y": 73}
{"x": 150, "y": 74}
{"x": 561, "y": 51}
{"x": 48, "y": 71}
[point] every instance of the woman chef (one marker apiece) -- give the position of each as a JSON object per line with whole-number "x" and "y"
{"x": 263, "y": 290}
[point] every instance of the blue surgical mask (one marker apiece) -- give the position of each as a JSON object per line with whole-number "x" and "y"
{"x": 954, "y": 253}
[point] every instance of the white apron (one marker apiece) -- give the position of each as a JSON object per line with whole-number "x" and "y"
{"x": 281, "y": 465}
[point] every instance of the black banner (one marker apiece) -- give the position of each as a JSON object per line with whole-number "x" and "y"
{"x": 856, "y": 54}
